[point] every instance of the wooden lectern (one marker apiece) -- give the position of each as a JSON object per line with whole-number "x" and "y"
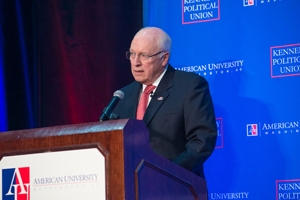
{"x": 133, "y": 170}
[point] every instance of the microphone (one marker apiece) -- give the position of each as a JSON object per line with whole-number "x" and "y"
{"x": 107, "y": 112}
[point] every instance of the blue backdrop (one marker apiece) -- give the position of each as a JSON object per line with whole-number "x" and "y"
{"x": 249, "y": 51}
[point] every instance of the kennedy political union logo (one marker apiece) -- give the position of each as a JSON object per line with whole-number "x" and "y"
{"x": 285, "y": 60}
{"x": 288, "y": 189}
{"x": 16, "y": 183}
{"x": 220, "y": 138}
{"x": 195, "y": 11}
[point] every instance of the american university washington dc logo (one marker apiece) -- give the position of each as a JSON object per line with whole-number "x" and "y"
{"x": 252, "y": 130}
{"x": 277, "y": 128}
{"x": 248, "y": 2}
{"x": 218, "y": 68}
{"x": 16, "y": 183}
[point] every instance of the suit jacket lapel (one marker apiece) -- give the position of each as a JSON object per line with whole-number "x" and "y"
{"x": 161, "y": 94}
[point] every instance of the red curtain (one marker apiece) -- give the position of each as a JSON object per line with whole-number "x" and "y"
{"x": 81, "y": 56}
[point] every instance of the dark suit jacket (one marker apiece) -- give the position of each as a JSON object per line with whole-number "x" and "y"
{"x": 180, "y": 118}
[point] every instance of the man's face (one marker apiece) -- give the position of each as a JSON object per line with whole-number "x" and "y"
{"x": 147, "y": 71}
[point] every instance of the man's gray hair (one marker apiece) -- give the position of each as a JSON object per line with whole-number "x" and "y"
{"x": 164, "y": 41}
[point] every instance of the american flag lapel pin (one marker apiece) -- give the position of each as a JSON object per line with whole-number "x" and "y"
{"x": 160, "y": 98}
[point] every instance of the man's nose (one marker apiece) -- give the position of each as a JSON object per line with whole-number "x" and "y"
{"x": 136, "y": 60}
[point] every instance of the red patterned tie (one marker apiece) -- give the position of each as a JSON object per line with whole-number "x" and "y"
{"x": 144, "y": 102}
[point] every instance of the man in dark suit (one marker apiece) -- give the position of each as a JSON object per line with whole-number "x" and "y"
{"x": 180, "y": 114}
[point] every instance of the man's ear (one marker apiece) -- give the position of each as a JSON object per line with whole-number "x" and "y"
{"x": 165, "y": 58}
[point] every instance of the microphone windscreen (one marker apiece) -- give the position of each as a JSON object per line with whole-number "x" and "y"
{"x": 119, "y": 94}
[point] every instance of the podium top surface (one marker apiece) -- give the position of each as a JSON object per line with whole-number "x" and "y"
{"x": 71, "y": 129}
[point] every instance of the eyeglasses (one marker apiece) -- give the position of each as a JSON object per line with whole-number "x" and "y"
{"x": 131, "y": 55}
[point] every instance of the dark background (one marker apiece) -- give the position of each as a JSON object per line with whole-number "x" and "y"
{"x": 63, "y": 59}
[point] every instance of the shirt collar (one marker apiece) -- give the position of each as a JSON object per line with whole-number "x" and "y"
{"x": 157, "y": 81}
